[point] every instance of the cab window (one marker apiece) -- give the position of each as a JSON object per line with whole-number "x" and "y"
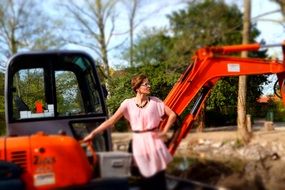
{"x": 69, "y": 99}
{"x": 28, "y": 93}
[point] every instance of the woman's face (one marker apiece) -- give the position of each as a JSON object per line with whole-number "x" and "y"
{"x": 144, "y": 87}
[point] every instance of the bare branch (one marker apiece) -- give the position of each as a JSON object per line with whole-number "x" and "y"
{"x": 265, "y": 14}
{"x": 111, "y": 31}
{"x": 273, "y": 21}
{"x": 78, "y": 16}
{"x": 118, "y": 45}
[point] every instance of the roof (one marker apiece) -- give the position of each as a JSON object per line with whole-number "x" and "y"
{"x": 265, "y": 99}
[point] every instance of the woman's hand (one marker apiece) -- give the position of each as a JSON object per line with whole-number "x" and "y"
{"x": 88, "y": 137}
{"x": 163, "y": 135}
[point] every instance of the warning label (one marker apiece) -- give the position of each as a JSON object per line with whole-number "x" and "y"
{"x": 44, "y": 179}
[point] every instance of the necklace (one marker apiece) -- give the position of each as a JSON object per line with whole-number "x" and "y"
{"x": 142, "y": 106}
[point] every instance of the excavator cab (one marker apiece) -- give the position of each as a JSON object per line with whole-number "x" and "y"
{"x": 56, "y": 92}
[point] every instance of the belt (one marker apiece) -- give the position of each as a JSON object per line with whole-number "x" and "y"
{"x": 144, "y": 131}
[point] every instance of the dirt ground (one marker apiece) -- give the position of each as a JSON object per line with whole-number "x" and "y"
{"x": 230, "y": 172}
{"x": 227, "y": 133}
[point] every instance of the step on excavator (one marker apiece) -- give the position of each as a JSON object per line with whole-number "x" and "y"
{"x": 55, "y": 98}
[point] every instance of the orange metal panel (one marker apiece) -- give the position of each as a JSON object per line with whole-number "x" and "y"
{"x": 2, "y": 148}
{"x": 49, "y": 162}
{"x": 18, "y": 151}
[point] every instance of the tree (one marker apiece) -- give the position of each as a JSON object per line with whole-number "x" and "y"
{"x": 95, "y": 20}
{"x": 132, "y": 8}
{"x": 151, "y": 47}
{"x": 135, "y": 18}
{"x": 204, "y": 23}
{"x": 241, "y": 120}
{"x": 22, "y": 28}
{"x": 32, "y": 86}
{"x": 281, "y": 3}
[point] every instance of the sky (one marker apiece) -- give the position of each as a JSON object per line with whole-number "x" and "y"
{"x": 153, "y": 14}
{"x": 271, "y": 32}
{"x": 150, "y": 14}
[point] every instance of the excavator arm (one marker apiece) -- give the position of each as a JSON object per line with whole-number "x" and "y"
{"x": 209, "y": 65}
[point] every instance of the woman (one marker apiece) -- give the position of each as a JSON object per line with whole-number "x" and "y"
{"x": 144, "y": 114}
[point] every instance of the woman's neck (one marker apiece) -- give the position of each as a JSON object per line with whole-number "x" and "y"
{"x": 141, "y": 97}
{"x": 141, "y": 100}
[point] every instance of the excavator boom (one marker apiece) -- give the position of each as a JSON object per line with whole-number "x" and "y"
{"x": 209, "y": 65}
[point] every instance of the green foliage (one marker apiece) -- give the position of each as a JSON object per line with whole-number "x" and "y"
{"x": 2, "y": 123}
{"x": 31, "y": 85}
{"x": 68, "y": 97}
{"x": 219, "y": 99}
{"x": 152, "y": 47}
{"x": 277, "y": 109}
{"x": 221, "y": 104}
{"x": 206, "y": 23}
{"x": 120, "y": 87}
{"x": 122, "y": 125}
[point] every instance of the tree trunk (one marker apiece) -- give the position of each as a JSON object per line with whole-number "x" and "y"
{"x": 243, "y": 133}
{"x": 132, "y": 7}
{"x": 102, "y": 39}
{"x": 132, "y": 20}
{"x": 201, "y": 120}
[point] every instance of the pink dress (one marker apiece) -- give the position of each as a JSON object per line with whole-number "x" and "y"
{"x": 150, "y": 153}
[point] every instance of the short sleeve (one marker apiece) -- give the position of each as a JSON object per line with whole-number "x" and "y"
{"x": 124, "y": 108}
{"x": 160, "y": 106}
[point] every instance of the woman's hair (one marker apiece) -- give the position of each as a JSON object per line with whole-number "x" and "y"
{"x": 137, "y": 81}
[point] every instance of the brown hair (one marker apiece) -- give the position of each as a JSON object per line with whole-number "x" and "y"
{"x": 137, "y": 81}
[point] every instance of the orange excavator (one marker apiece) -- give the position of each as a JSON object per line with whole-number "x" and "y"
{"x": 42, "y": 149}
{"x": 209, "y": 65}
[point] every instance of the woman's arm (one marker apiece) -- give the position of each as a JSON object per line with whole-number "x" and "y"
{"x": 171, "y": 119}
{"x": 105, "y": 125}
